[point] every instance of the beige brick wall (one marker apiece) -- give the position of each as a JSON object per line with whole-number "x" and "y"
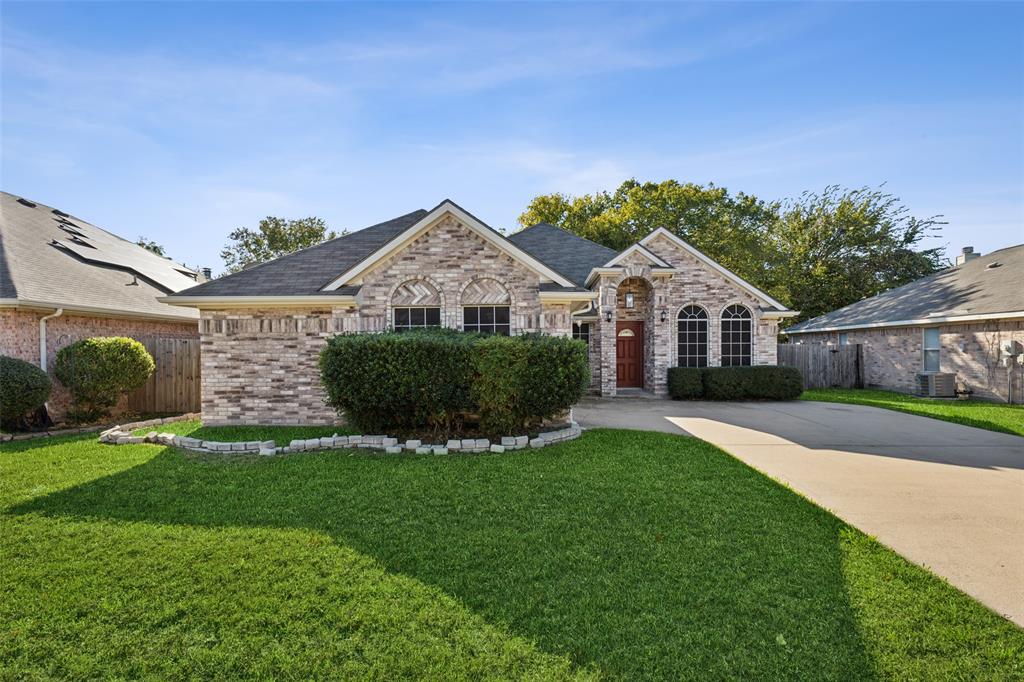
{"x": 260, "y": 366}
{"x": 19, "y": 338}
{"x": 893, "y": 356}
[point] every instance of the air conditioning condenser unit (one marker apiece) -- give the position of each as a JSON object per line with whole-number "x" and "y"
{"x": 937, "y": 385}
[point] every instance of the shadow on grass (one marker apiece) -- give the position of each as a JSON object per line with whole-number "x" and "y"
{"x": 646, "y": 555}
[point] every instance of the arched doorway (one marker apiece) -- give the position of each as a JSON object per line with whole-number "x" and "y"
{"x": 632, "y": 310}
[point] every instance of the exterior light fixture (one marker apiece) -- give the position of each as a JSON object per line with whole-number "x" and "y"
{"x": 629, "y": 300}
{"x": 608, "y": 315}
{"x": 664, "y": 316}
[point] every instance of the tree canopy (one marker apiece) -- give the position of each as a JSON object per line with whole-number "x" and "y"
{"x": 151, "y": 245}
{"x": 816, "y": 253}
{"x": 272, "y": 238}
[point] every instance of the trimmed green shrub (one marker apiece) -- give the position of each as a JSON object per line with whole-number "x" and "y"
{"x": 685, "y": 383}
{"x": 23, "y": 389}
{"x": 762, "y": 382}
{"x": 521, "y": 381}
{"x": 98, "y": 371}
{"x": 414, "y": 381}
{"x": 406, "y": 381}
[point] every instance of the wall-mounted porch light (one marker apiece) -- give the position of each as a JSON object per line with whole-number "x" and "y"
{"x": 608, "y": 315}
{"x": 664, "y": 316}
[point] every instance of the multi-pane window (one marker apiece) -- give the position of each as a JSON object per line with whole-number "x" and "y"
{"x": 692, "y": 336}
{"x": 931, "y": 349}
{"x": 416, "y": 318}
{"x": 487, "y": 319}
{"x": 737, "y": 327}
{"x": 844, "y": 339}
{"x": 581, "y": 331}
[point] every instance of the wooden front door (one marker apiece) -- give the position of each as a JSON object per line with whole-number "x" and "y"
{"x": 629, "y": 354}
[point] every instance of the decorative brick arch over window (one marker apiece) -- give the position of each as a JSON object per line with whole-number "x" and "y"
{"x": 416, "y": 304}
{"x": 737, "y": 336}
{"x": 486, "y": 307}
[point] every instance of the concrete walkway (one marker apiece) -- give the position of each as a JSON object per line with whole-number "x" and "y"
{"x": 948, "y": 497}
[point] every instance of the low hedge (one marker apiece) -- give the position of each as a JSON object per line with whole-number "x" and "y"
{"x": 437, "y": 379}
{"x": 98, "y": 371}
{"x": 24, "y": 388}
{"x": 761, "y": 382}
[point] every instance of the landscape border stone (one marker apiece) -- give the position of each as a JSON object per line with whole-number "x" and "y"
{"x": 122, "y": 435}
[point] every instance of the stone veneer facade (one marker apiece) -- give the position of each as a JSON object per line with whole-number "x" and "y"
{"x": 19, "y": 338}
{"x": 893, "y": 356}
{"x": 260, "y": 366}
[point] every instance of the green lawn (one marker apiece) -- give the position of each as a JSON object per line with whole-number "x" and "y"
{"x": 621, "y": 555}
{"x": 984, "y": 415}
{"x": 282, "y": 435}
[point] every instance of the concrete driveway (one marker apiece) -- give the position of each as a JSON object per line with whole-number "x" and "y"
{"x": 948, "y": 497}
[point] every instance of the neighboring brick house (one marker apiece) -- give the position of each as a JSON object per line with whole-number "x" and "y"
{"x": 63, "y": 279}
{"x": 954, "y": 321}
{"x": 641, "y": 311}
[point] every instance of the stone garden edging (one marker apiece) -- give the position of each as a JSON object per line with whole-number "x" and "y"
{"x": 54, "y": 433}
{"x": 122, "y": 435}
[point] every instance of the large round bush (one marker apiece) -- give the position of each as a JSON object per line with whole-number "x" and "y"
{"x": 23, "y": 389}
{"x": 98, "y": 371}
{"x": 433, "y": 380}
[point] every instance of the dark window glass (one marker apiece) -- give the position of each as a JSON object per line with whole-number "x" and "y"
{"x": 486, "y": 319}
{"x": 737, "y": 332}
{"x": 416, "y": 318}
{"x": 581, "y": 331}
{"x": 692, "y": 328}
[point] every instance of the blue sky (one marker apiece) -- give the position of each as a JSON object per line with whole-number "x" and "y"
{"x": 182, "y": 121}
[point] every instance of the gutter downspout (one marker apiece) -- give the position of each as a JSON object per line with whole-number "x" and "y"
{"x": 42, "y": 336}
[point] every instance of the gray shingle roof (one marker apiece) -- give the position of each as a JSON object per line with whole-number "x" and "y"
{"x": 562, "y": 251}
{"x": 973, "y": 288}
{"x": 51, "y": 258}
{"x": 307, "y": 271}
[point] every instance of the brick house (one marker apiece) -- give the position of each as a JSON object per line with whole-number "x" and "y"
{"x": 641, "y": 311}
{"x": 63, "y": 279}
{"x": 954, "y": 321}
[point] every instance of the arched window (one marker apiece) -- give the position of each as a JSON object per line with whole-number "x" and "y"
{"x": 692, "y": 336}
{"x": 737, "y": 327}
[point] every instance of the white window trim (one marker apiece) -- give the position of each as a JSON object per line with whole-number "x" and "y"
{"x": 925, "y": 349}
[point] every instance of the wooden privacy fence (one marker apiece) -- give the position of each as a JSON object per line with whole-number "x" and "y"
{"x": 174, "y": 384}
{"x": 825, "y": 366}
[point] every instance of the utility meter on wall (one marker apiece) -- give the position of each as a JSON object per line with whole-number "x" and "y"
{"x": 1012, "y": 351}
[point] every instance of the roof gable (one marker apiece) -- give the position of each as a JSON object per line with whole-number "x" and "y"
{"x": 641, "y": 250}
{"x": 662, "y": 233}
{"x": 427, "y": 222}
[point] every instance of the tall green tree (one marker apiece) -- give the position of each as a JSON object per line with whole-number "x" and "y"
{"x": 273, "y": 237}
{"x": 816, "y": 253}
{"x": 732, "y": 229}
{"x": 839, "y": 246}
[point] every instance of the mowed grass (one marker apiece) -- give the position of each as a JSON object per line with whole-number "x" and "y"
{"x": 282, "y": 435}
{"x": 621, "y": 555}
{"x": 984, "y": 415}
